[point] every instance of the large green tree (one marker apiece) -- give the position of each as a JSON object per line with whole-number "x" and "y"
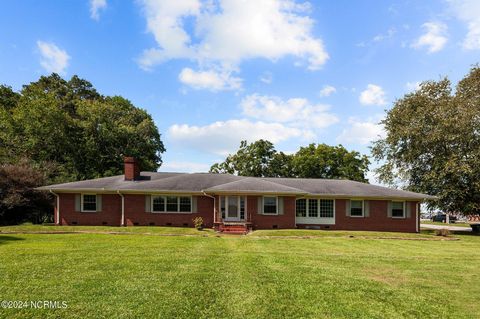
{"x": 433, "y": 143}
{"x": 77, "y": 131}
{"x": 324, "y": 161}
{"x": 256, "y": 159}
{"x": 261, "y": 159}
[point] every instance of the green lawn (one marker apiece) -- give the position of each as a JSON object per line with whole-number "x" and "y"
{"x": 304, "y": 274}
{"x": 153, "y": 230}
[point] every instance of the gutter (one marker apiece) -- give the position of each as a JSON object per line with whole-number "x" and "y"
{"x": 214, "y": 207}
{"x": 58, "y": 206}
{"x": 122, "y": 222}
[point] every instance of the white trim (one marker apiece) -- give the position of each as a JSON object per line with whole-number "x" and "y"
{"x": 403, "y": 210}
{"x": 218, "y": 192}
{"x": 81, "y": 203}
{"x": 202, "y": 192}
{"x": 57, "y": 206}
{"x": 263, "y": 206}
{"x": 308, "y": 208}
{"x": 233, "y": 219}
{"x": 152, "y": 196}
{"x": 315, "y": 220}
{"x": 122, "y": 221}
{"x": 363, "y": 208}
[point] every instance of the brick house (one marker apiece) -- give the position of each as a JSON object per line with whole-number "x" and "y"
{"x": 225, "y": 201}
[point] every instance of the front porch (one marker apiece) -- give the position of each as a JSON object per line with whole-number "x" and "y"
{"x": 231, "y": 215}
{"x": 240, "y": 228}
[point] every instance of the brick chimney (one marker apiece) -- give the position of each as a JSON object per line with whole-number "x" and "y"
{"x": 132, "y": 170}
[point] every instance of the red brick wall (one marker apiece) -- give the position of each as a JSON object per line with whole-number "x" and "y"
{"x": 135, "y": 213}
{"x": 111, "y": 211}
{"x": 378, "y": 219}
{"x": 287, "y": 220}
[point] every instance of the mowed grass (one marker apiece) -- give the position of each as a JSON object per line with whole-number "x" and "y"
{"x": 154, "y": 230}
{"x": 291, "y": 275}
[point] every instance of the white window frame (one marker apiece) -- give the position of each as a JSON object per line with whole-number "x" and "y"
{"x": 333, "y": 205}
{"x": 276, "y": 206}
{"x": 318, "y": 206}
{"x": 244, "y": 207}
{"x": 81, "y": 203}
{"x": 165, "y": 204}
{"x": 238, "y": 205}
{"x": 403, "y": 210}
{"x": 152, "y": 197}
{"x": 316, "y": 220}
{"x": 363, "y": 208}
{"x": 306, "y": 207}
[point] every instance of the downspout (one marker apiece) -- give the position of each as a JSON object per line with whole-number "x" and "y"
{"x": 214, "y": 207}
{"x": 122, "y": 222}
{"x": 58, "y": 206}
{"x": 417, "y": 221}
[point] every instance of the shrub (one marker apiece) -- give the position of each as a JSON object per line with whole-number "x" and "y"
{"x": 19, "y": 200}
{"x": 198, "y": 222}
{"x": 442, "y": 232}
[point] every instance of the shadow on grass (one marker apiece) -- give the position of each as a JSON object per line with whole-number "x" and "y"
{"x": 6, "y": 239}
{"x": 465, "y": 233}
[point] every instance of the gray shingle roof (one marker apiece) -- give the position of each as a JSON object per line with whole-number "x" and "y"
{"x": 224, "y": 183}
{"x": 254, "y": 185}
{"x": 341, "y": 187}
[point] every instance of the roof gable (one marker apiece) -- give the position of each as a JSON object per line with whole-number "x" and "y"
{"x": 255, "y": 185}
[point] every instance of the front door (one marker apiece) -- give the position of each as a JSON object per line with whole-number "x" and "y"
{"x": 233, "y": 211}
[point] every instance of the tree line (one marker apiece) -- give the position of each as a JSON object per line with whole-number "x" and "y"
{"x": 261, "y": 159}
{"x": 55, "y": 131}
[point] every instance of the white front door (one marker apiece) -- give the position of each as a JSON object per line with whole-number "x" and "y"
{"x": 233, "y": 208}
{"x": 233, "y": 211}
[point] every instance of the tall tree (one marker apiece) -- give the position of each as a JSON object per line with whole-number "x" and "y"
{"x": 324, "y": 161}
{"x": 253, "y": 159}
{"x": 314, "y": 161}
{"x": 433, "y": 143}
{"x": 79, "y": 132}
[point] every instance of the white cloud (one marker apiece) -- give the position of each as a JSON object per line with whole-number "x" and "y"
{"x": 95, "y": 7}
{"x": 210, "y": 80}
{"x": 298, "y": 112}
{"x": 164, "y": 21}
{"x": 378, "y": 38}
{"x": 327, "y": 90}
{"x": 372, "y": 177}
{"x": 187, "y": 167}
{"x": 373, "y": 95}
{"x": 468, "y": 12}
{"x": 434, "y": 38}
{"x": 384, "y": 36}
{"x": 361, "y": 132}
{"x": 227, "y": 32}
{"x": 223, "y": 137}
{"x": 266, "y": 77}
{"x": 53, "y": 58}
{"x": 412, "y": 86}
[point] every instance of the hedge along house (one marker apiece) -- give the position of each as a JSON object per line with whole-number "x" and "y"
{"x": 234, "y": 203}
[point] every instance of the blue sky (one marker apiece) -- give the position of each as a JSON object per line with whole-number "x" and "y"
{"x": 212, "y": 73}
